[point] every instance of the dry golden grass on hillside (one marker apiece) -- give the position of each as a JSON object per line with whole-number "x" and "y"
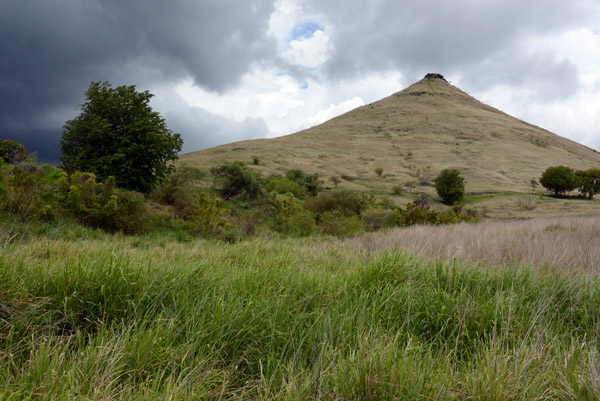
{"x": 412, "y": 135}
{"x": 421, "y": 130}
{"x": 564, "y": 243}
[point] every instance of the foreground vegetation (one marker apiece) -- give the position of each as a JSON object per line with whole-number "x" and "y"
{"x": 232, "y": 285}
{"x": 230, "y": 202}
{"x": 106, "y": 316}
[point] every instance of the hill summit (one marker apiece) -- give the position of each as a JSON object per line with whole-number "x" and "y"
{"x": 412, "y": 135}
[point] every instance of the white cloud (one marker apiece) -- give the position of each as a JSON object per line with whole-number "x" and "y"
{"x": 310, "y": 52}
{"x": 335, "y": 110}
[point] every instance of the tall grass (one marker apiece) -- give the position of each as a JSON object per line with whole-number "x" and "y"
{"x": 569, "y": 243}
{"x": 142, "y": 318}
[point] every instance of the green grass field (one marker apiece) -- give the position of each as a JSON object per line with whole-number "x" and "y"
{"x": 98, "y": 316}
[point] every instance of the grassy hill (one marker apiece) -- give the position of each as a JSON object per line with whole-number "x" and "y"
{"x": 414, "y": 134}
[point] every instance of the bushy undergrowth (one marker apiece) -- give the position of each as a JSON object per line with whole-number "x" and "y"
{"x": 12, "y": 152}
{"x": 231, "y": 204}
{"x": 102, "y": 204}
{"x": 287, "y": 319}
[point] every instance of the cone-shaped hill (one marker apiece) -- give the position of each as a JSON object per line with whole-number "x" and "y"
{"x": 412, "y": 135}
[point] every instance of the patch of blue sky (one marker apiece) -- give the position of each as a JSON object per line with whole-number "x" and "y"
{"x": 305, "y": 30}
{"x": 304, "y": 85}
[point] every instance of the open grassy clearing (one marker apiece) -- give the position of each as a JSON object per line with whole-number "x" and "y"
{"x": 103, "y": 316}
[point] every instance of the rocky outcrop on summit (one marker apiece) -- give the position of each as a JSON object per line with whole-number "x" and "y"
{"x": 434, "y": 75}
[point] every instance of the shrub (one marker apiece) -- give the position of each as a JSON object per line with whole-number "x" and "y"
{"x": 102, "y": 205}
{"x": 301, "y": 223}
{"x": 410, "y": 185}
{"x": 422, "y": 200}
{"x": 283, "y": 185}
{"x": 450, "y": 186}
{"x": 310, "y": 182}
{"x": 347, "y": 203}
{"x": 183, "y": 176}
{"x": 453, "y": 217}
{"x": 20, "y": 195}
{"x": 414, "y": 214}
{"x": 290, "y": 218}
{"x": 12, "y": 152}
{"x": 338, "y": 224}
{"x": 397, "y": 189}
{"x": 533, "y": 183}
{"x": 376, "y": 218}
{"x": 208, "y": 216}
{"x": 335, "y": 180}
{"x": 379, "y": 171}
{"x": 236, "y": 180}
{"x": 559, "y": 179}
{"x": 184, "y": 199}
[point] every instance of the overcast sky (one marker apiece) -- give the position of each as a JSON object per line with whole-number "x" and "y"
{"x": 228, "y": 70}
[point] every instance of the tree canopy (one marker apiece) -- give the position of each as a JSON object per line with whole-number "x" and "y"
{"x": 449, "y": 185}
{"x": 118, "y": 134}
{"x": 559, "y": 179}
{"x": 589, "y": 182}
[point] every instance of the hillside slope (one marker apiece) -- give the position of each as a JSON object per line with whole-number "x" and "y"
{"x": 429, "y": 126}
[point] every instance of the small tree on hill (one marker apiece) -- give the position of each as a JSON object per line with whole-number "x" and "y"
{"x": 559, "y": 179}
{"x": 379, "y": 171}
{"x": 450, "y": 186}
{"x": 533, "y": 183}
{"x": 118, "y": 134}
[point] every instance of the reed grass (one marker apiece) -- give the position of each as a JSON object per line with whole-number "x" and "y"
{"x": 114, "y": 317}
{"x": 567, "y": 243}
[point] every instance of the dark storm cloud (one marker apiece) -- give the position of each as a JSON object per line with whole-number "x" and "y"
{"x": 52, "y": 50}
{"x": 415, "y": 37}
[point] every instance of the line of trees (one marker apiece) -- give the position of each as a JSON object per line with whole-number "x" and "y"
{"x": 562, "y": 179}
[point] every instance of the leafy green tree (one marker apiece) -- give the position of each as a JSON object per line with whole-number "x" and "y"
{"x": 559, "y": 179}
{"x": 118, "y": 134}
{"x": 589, "y": 181}
{"x": 450, "y": 186}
